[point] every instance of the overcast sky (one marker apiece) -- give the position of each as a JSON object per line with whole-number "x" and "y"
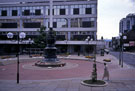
{"x": 110, "y": 12}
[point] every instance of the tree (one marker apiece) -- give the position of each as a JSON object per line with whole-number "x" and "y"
{"x": 40, "y": 40}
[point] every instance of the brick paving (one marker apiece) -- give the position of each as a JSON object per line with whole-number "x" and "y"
{"x": 66, "y": 79}
{"x": 64, "y": 85}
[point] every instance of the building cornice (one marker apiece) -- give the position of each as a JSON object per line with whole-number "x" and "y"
{"x": 42, "y": 4}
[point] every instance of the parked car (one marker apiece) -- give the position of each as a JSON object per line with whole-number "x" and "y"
{"x": 106, "y": 50}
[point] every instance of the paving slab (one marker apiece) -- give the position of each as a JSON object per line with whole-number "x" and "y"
{"x": 121, "y": 79}
{"x": 57, "y": 85}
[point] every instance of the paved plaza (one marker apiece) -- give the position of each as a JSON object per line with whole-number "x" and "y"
{"x": 66, "y": 78}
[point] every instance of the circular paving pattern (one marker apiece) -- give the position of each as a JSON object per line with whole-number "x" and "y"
{"x": 33, "y": 67}
{"x": 28, "y": 70}
{"x": 50, "y": 64}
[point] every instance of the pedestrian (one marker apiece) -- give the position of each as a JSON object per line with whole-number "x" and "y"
{"x": 78, "y": 53}
{"x": 106, "y": 72}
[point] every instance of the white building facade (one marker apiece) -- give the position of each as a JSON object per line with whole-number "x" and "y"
{"x": 73, "y": 21}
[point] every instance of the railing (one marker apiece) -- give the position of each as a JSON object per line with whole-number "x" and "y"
{"x": 34, "y": 50}
{"x": 80, "y": 42}
{"x": 65, "y": 42}
{"x": 15, "y": 42}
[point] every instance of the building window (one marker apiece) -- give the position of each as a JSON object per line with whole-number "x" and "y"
{"x": 87, "y": 24}
{"x": 128, "y": 25}
{"x": 62, "y": 11}
{"x": 76, "y": 22}
{"x": 76, "y": 11}
{"x": 32, "y": 25}
{"x": 62, "y": 23}
{"x": 37, "y": 12}
{"x": 49, "y": 12}
{"x": 4, "y": 13}
{"x": 54, "y": 24}
{"x": 82, "y": 22}
{"x": 53, "y": 11}
{"x": 14, "y": 12}
{"x": 26, "y": 12}
{"x": 8, "y": 25}
{"x": 134, "y": 20}
{"x": 88, "y": 11}
{"x": 60, "y": 37}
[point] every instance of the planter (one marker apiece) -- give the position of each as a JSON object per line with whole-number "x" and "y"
{"x": 36, "y": 55}
{"x": 107, "y": 60}
{"x": 89, "y": 57}
{"x": 6, "y": 57}
{"x": 98, "y": 83}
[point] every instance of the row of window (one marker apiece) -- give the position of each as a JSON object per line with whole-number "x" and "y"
{"x": 25, "y": 12}
{"x": 82, "y": 35}
{"x": 57, "y": 33}
{"x": 57, "y": 10}
{"x": 57, "y": 23}
{"x": 85, "y": 24}
{"x": 58, "y": 37}
{"x": 76, "y": 11}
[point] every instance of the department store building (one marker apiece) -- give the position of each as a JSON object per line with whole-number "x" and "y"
{"x": 73, "y": 21}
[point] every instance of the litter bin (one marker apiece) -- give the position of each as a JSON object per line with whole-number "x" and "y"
{"x": 102, "y": 52}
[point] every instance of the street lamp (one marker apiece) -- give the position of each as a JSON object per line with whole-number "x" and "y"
{"x": 66, "y": 45}
{"x": 121, "y": 37}
{"x": 87, "y": 40}
{"x": 94, "y": 72}
{"x": 10, "y": 35}
{"x": 21, "y": 35}
{"x": 29, "y": 46}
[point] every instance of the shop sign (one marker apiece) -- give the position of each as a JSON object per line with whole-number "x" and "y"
{"x": 126, "y": 44}
{"x": 131, "y": 43}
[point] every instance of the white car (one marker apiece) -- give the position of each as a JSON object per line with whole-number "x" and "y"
{"x": 106, "y": 50}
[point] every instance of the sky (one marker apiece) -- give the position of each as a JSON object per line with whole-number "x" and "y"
{"x": 110, "y": 12}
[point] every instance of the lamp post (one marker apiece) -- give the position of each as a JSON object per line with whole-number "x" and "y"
{"x": 21, "y": 35}
{"x": 94, "y": 72}
{"x": 51, "y": 15}
{"x": 87, "y": 40}
{"x": 121, "y": 38}
{"x": 66, "y": 45}
{"x": 29, "y": 46}
{"x": 120, "y": 45}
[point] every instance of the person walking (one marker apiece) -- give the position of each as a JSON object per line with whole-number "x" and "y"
{"x": 106, "y": 72}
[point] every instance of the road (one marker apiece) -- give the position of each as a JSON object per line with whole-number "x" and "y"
{"x": 128, "y": 58}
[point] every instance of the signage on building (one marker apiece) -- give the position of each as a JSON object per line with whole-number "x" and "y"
{"x": 126, "y": 44}
{"x": 131, "y": 43}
